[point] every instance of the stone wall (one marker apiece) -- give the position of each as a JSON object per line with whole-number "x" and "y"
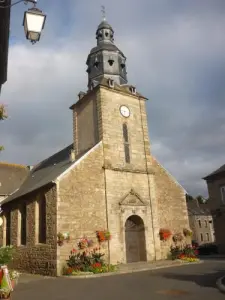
{"x": 110, "y": 124}
{"x": 85, "y": 129}
{"x": 172, "y": 205}
{"x": 2, "y": 198}
{"x": 206, "y": 228}
{"x": 215, "y": 203}
{"x": 214, "y": 185}
{"x": 81, "y": 203}
{"x": 33, "y": 257}
{"x": 119, "y": 185}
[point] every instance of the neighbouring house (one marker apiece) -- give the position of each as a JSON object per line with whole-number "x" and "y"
{"x": 11, "y": 178}
{"x": 201, "y": 222}
{"x": 4, "y": 39}
{"x": 107, "y": 179}
{"x": 216, "y": 189}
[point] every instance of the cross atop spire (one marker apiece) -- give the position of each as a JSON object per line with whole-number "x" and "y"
{"x": 103, "y": 13}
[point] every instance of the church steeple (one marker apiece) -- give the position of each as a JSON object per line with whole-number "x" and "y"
{"x": 106, "y": 60}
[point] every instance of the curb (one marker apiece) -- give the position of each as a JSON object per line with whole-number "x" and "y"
{"x": 220, "y": 285}
{"x": 131, "y": 271}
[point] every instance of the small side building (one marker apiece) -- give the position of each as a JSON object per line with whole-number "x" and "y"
{"x": 201, "y": 222}
{"x": 11, "y": 178}
{"x": 216, "y": 189}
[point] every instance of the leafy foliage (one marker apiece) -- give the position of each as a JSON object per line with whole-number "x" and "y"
{"x": 6, "y": 255}
{"x": 180, "y": 252}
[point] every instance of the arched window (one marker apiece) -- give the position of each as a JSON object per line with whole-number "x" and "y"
{"x": 126, "y": 143}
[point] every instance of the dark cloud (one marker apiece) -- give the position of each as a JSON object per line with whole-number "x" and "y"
{"x": 176, "y": 57}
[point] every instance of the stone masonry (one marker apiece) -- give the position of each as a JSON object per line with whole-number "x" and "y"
{"x": 104, "y": 180}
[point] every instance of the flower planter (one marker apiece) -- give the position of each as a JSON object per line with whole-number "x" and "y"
{"x": 62, "y": 238}
{"x": 103, "y": 236}
{"x": 187, "y": 232}
{"x": 178, "y": 237}
{"x": 164, "y": 234}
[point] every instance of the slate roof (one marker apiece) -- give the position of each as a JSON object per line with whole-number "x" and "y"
{"x": 198, "y": 210}
{"x": 45, "y": 172}
{"x": 104, "y": 25}
{"x": 104, "y": 82}
{"x": 11, "y": 177}
{"x": 104, "y": 46}
{"x": 217, "y": 172}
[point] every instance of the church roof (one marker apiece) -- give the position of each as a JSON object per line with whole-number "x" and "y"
{"x": 45, "y": 172}
{"x": 11, "y": 177}
{"x": 217, "y": 172}
{"x": 197, "y": 209}
{"x": 105, "y": 46}
{"x": 104, "y": 25}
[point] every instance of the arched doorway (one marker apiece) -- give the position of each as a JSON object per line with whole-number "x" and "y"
{"x": 135, "y": 239}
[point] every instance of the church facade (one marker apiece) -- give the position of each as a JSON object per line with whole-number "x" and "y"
{"x": 107, "y": 179}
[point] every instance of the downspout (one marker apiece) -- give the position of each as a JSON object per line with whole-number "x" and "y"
{"x": 58, "y": 264}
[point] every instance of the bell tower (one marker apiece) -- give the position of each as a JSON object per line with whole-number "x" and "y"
{"x": 106, "y": 60}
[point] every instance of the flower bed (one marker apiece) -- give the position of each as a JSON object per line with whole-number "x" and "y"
{"x": 87, "y": 262}
{"x": 186, "y": 253}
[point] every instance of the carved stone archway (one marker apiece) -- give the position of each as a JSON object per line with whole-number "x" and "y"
{"x": 135, "y": 239}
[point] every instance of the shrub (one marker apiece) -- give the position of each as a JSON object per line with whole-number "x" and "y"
{"x": 6, "y": 254}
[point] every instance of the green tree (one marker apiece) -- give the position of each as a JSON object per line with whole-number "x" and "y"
{"x": 201, "y": 199}
{"x": 189, "y": 198}
{"x": 3, "y": 116}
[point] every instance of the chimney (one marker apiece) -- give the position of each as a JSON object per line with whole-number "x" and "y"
{"x": 72, "y": 155}
{"x": 81, "y": 95}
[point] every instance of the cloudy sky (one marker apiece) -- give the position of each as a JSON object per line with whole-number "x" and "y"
{"x": 176, "y": 57}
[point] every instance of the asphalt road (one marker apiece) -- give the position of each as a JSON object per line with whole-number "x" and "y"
{"x": 190, "y": 282}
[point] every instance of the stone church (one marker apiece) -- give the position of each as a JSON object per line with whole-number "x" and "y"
{"x": 107, "y": 179}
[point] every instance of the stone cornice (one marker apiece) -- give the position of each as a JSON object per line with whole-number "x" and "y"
{"x": 129, "y": 170}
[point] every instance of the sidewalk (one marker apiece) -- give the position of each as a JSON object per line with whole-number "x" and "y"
{"x": 138, "y": 267}
{"x": 145, "y": 266}
{"x": 221, "y": 284}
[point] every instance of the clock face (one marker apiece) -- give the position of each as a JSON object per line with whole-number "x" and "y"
{"x": 124, "y": 110}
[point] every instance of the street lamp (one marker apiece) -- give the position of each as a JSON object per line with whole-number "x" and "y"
{"x": 33, "y": 21}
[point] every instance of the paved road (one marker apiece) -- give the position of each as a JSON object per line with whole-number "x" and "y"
{"x": 190, "y": 282}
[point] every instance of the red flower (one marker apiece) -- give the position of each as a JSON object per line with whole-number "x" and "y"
{"x": 96, "y": 265}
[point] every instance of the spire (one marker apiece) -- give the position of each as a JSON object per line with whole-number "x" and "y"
{"x": 103, "y": 13}
{"x": 106, "y": 60}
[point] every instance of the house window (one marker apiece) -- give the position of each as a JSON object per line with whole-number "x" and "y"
{"x": 206, "y": 224}
{"x": 126, "y": 143}
{"x": 8, "y": 226}
{"x": 199, "y": 224}
{"x": 222, "y": 190}
{"x": 207, "y": 237}
{"x": 201, "y": 236}
{"x": 42, "y": 221}
{"x": 23, "y": 224}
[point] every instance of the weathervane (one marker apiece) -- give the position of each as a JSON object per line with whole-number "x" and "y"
{"x": 103, "y": 13}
